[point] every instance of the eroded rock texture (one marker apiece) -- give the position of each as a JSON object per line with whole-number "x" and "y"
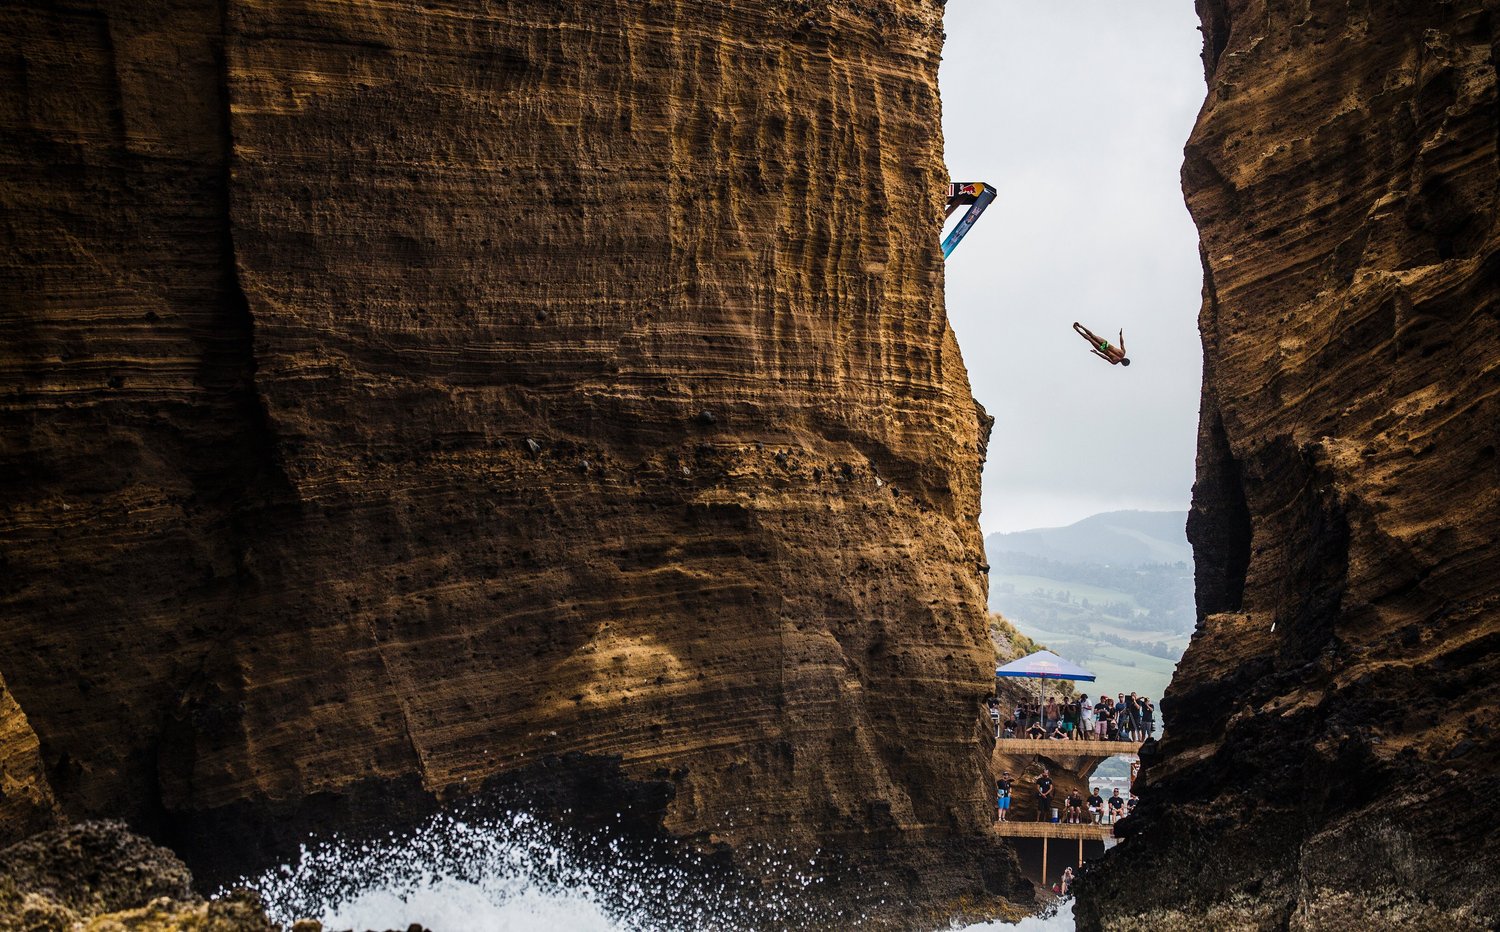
{"x": 397, "y": 394}
{"x": 1329, "y": 728}
{"x": 26, "y": 803}
{"x": 99, "y": 877}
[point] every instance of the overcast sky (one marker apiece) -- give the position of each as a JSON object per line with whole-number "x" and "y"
{"x": 1077, "y": 111}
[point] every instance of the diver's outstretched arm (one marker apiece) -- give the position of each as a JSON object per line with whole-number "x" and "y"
{"x": 1103, "y": 356}
{"x": 1122, "y": 341}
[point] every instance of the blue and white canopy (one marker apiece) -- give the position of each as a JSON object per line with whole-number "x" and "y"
{"x": 1044, "y": 665}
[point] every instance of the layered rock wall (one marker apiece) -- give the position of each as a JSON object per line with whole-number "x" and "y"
{"x": 1328, "y": 729}
{"x": 26, "y": 802}
{"x": 398, "y": 395}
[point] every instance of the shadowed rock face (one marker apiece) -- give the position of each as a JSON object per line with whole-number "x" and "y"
{"x": 1330, "y": 725}
{"x": 398, "y": 394}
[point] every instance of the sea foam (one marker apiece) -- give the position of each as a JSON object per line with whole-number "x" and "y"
{"x": 516, "y": 873}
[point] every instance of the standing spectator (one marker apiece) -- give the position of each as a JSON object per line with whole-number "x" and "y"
{"x": 1085, "y": 717}
{"x": 1096, "y": 805}
{"x": 1122, "y": 719}
{"x": 1148, "y": 717}
{"x": 1102, "y": 715}
{"x": 994, "y": 703}
{"x": 1044, "y": 797}
{"x": 1002, "y": 796}
{"x": 1049, "y": 715}
{"x": 1116, "y": 806}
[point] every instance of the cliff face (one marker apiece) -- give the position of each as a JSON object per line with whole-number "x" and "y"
{"x": 399, "y": 395}
{"x": 1328, "y": 730}
{"x": 26, "y": 803}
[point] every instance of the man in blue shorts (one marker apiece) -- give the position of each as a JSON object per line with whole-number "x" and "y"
{"x": 1002, "y": 791}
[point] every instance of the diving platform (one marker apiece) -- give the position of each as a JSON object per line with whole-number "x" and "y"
{"x": 1065, "y": 750}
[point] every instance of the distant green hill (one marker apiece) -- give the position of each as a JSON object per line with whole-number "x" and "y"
{"x": 1113, "y": 592}
{"x": 1112, "y": 538}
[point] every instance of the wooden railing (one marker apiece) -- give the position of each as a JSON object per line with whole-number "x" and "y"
{"x": 1054, "y": 830}
{"x": 1047, "y": 747}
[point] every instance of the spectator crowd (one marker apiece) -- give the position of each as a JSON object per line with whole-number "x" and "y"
{"x": 1125, "y": 718}
{"x": 1072, "y": 809}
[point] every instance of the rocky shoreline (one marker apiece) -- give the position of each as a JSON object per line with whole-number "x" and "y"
{"x": 98, "y": 875}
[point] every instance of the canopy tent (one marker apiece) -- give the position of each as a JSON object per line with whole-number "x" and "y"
{"x": 1045, "y": 665}
{"x": 1042, "y": 666}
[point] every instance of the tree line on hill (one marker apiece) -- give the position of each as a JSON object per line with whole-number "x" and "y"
{"x": 1164, "y": 591}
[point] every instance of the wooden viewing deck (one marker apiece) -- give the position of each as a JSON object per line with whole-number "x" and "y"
{"x": 1054, "y": 830}
{"x": 1068, "y": 749}
{"x": 1061, "y": 831}
{"x": 1079, "y": 756}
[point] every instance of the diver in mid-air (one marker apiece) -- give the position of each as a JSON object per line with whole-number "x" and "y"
{"x": 1114, "y": 355}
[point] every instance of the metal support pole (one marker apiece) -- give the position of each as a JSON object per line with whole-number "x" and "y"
{"x": 1044, "y": 860}
{"x": 1079, "y": 865}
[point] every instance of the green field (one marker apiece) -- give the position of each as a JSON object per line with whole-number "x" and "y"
{"x": 1175, "y": 638}
{"x": 1118, "y": 669}
{"x": 1112, "y": 593}
{"x": 1025, "y": 585}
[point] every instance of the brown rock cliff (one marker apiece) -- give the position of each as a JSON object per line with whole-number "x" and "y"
{"x": 26, "y": 803}
{"x": 398, "y": 395}
{"x": 1329, "y": 735}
